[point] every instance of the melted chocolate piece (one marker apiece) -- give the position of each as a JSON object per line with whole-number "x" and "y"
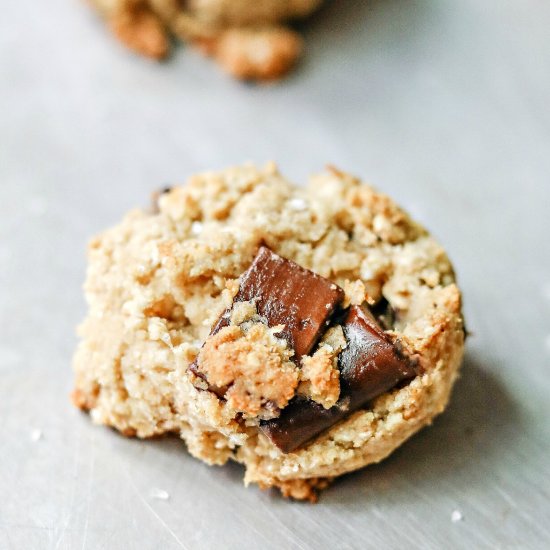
{"x": 370, "y": 365}
{"x": 285, "y": 294}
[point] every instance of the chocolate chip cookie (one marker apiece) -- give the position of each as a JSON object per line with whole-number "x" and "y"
{"x": 304, "y": 332}
{"x": 248, "y": 38}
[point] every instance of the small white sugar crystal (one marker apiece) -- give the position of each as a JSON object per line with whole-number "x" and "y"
{"x": 36, "y": 435}
{"x": 160, "y": 494}
{"x": 456, "y": 516}
{"x": 297, "y": 204}
{"x": 196, "y": 228}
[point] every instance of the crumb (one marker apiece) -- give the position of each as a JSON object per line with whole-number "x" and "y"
{"x": 242, "y": 312}
{"x": 160, "y": 494}
{"x": 300, "y": 489}
{"x": 355, "y": 293}
{"x": 456, "y": 516}
{"x": 320, "y": 377}
{"x": 253, "y": 366}
{"x": 36, "y": 435}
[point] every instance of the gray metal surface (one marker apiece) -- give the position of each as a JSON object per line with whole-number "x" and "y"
{"x": 442, "y": 104}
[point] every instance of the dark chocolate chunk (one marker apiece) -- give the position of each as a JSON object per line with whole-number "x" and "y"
{"x": 370, "y": 365}
{"x": 290, "y": 295}
{"x": 286, "y": 294}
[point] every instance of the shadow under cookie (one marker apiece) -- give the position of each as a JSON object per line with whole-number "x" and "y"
{"x": 481, "y": 424}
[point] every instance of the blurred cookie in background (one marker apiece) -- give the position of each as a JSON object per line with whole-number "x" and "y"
{"x": 248, "y": 38}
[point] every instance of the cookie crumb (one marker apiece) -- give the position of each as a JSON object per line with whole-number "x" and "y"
{"x": 356, "y": 293}
{"x": 299, "y": 489}
{"x": 456, "y": 516}
{"x": 253, "y": 367}
{"x": 160, "y": 494}
{"x": 243, "y": 312}
{"x": 319, "y": 376}
{"x": 36, "y": 435}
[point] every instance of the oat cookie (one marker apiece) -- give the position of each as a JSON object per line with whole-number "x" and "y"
{"x": 304, "y": 332}
{"x": 248, "y": 38}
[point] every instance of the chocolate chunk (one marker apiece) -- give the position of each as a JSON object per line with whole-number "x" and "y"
{"x": 290, "y": 295}
{"x": 370, "y": 365}
{"x": 286, "y": 294}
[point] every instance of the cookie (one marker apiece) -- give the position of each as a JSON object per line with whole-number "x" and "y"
{"x": 248, "y": 38}
{"x": 304, "y": 332}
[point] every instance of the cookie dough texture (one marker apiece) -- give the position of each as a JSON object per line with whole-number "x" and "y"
{"x": 157, "y": 282}
{"x": 248, "y": 38}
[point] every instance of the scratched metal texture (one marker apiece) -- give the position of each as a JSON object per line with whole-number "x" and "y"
{"x": 442, "y": 104}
